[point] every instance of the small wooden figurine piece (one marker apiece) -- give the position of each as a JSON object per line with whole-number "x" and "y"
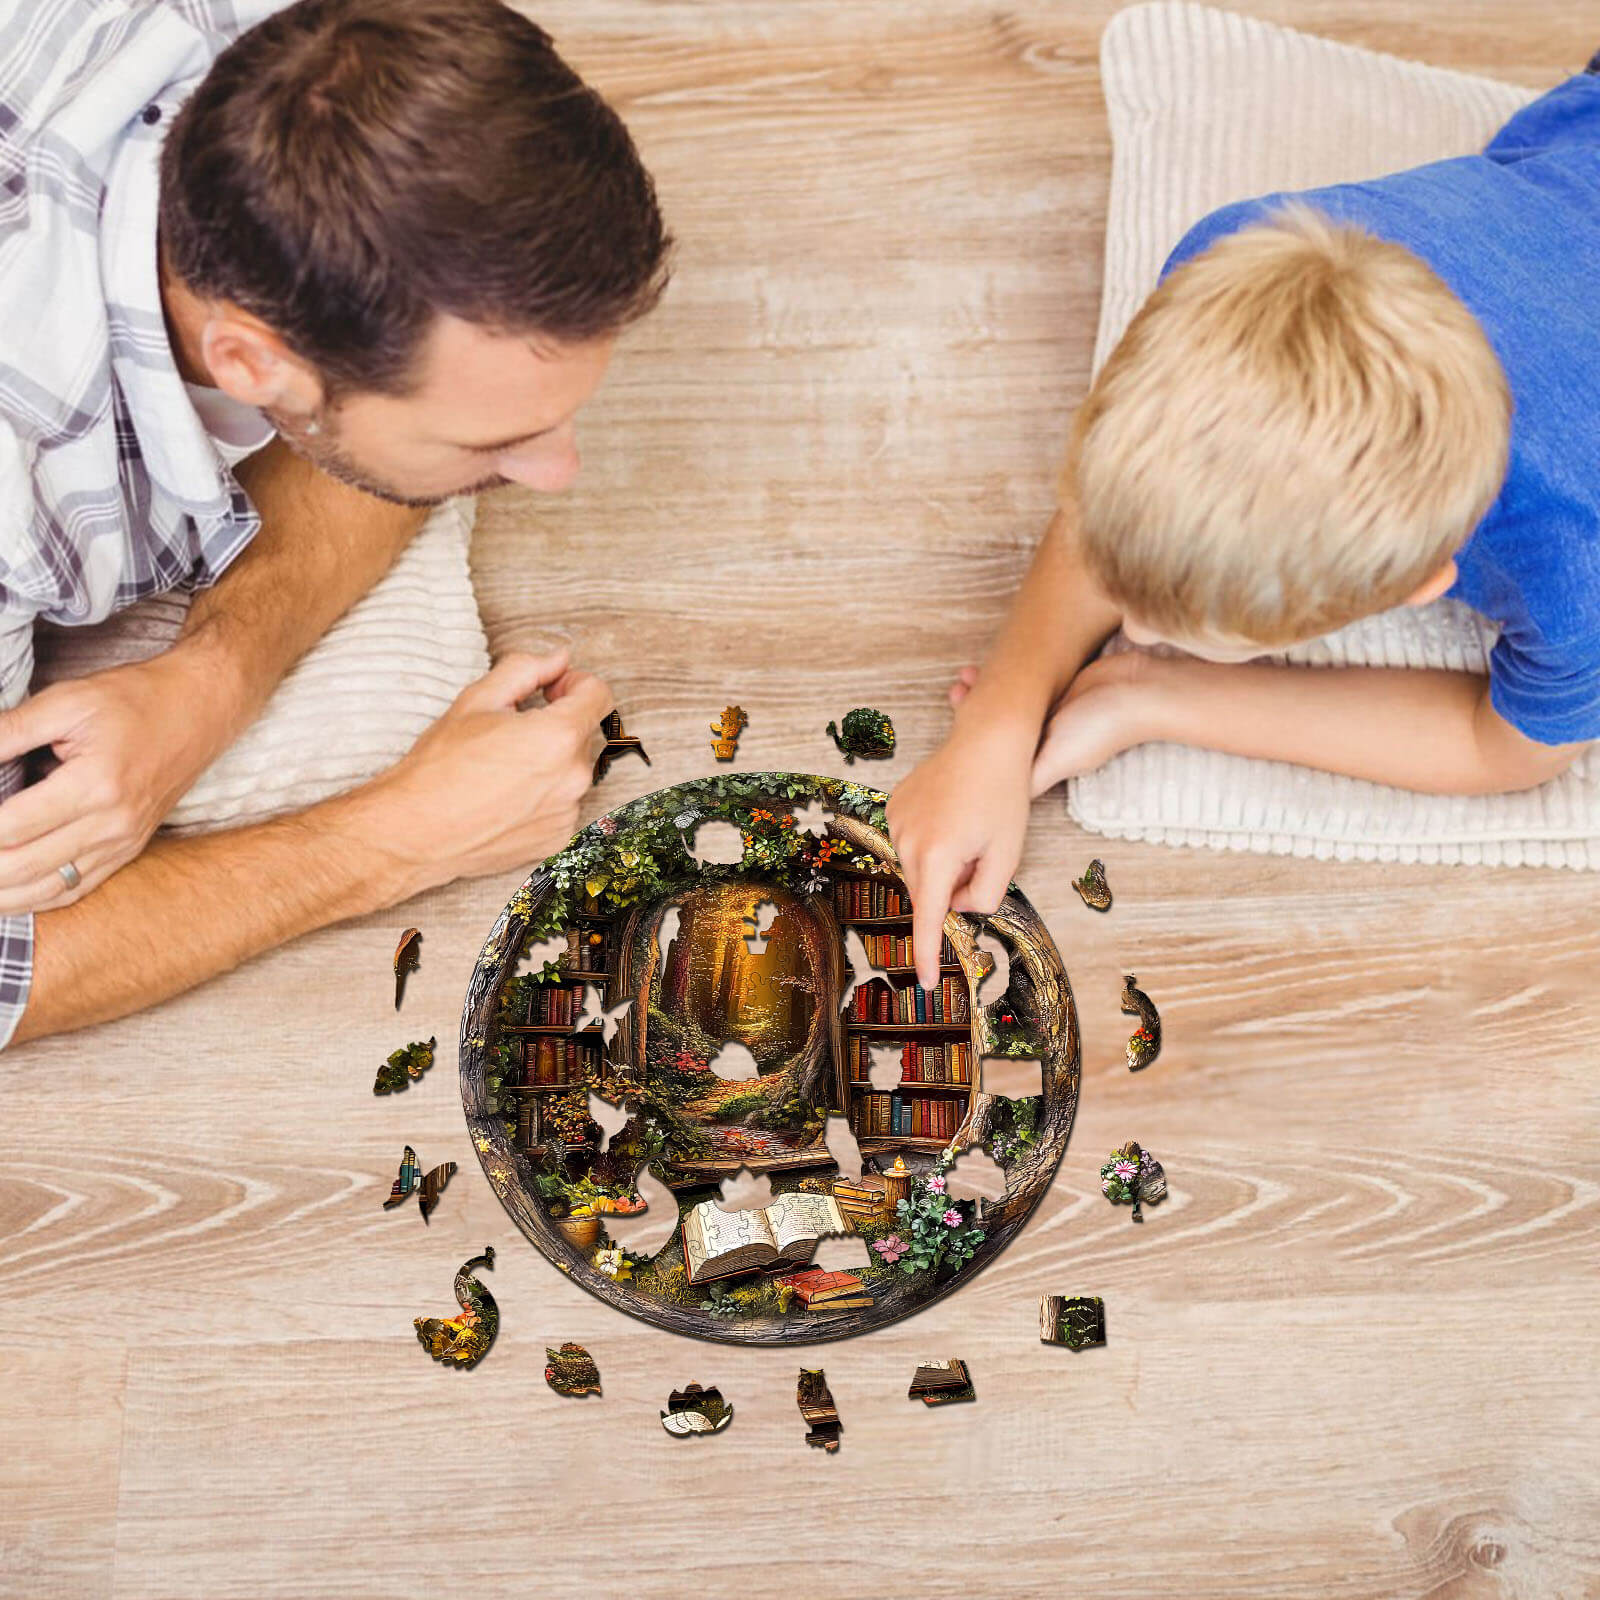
{"x": 571, "y": 1371}
{"x": 696, "y": 1410}
{"x": 865, "y": 733}
{"x": 411, "y": 1180}
{"x": 1093, "y": 888}
{"x": 404, "y": 1067}
{"x": 1132, "y": 1175}
{"x": 617, "y": 744}
{"x": 1076, "y": 1321}
{"x": 817, "y": 1407}
{"x": 407, "y": 957}
{"x": 727, "y": 728}
{"x": 463, "y": 1341}
{"x": 941, "y": 1383}
{"x": 1145, "y": 1044}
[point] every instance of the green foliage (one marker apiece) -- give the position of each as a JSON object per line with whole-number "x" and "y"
{"x": 721, "y": 1303}
{"x": 1014, "y": 1127}
{"x": 738, "y": 1105}
{"x": 934, "y": 1243}
{"x": 407, "y": 1063}
{"x": 866, "y": 733}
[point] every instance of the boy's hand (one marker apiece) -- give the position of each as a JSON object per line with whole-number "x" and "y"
{"x": 1102, "y": 714}
{"x": 958, "y": 824}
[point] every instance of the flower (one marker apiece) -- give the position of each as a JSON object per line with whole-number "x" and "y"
{"x": 549, "y": 1374}
{"x": 608, "y": 826}
{"x": 936, "y": 1183}
{"x": 1125, "y": 1170}
{"x": 891, "y": 1249}
{"x": 952, "y": 1218}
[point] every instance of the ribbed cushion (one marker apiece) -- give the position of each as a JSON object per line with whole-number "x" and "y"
{"x": 352, "y": 706}
{"x": 1208, "y": 107}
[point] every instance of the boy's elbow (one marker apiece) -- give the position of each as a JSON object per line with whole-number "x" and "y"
{"x": 1512, "y": 761}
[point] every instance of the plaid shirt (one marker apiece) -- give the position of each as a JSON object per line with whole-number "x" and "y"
{"x": 110, "y": 489}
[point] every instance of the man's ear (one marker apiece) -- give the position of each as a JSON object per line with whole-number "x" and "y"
{"x": 1432, "y": 588}
{"x": 252, "y": 365}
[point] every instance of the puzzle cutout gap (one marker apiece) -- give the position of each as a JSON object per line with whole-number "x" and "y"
{"x": 841, "y": 1253}
{"x": 744, "y": 1191}
{"x": 733, "y": 1063}
{"x": 998, "y": 979}
{"x": 594, "y": 1011}
{"x": 645, "y": 1232}
{"x": 717, "y": 844}
{"x": 611, "y": 1119}
{"x": 841, "y": 1142}
{"x": 887, "y": 1066}
{"x": 1015, "y": 1077}
{"x": 976, "y": 1175}
{"x": 760, "y": 925}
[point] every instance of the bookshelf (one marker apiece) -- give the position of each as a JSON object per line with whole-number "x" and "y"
{"x": 940, "y": 1048}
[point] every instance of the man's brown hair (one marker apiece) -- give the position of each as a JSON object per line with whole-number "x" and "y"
{"x": 348, "y": 169}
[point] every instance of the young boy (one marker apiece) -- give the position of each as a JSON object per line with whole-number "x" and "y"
{"x": 1365, "y": 396}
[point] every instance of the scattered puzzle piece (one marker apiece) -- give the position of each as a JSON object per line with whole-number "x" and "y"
{"x": 1077, "y": 1321}
{"x": 571, "y": 1371}
{"x": 407, "y": 1064}
{"x": 696, "y": 1410}
{"x": 942, "y": 1383}
{"x": 617, "y": 744}
{"x": 817, "y": 1407}
{"x": 411, "y": 1179}
{"x": 407, "y": 958}
{"x": 727, "y": 728}
{"x": 463, "y": 1341}
{"x": 865, "y": 733}
{"x": 1133, "y": 1176}
{"x": 1093, "y": 888}
{"x": 1145, "y": 1044}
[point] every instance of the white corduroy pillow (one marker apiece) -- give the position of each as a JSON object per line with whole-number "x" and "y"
{"x": 1207, "y": 107}
{"x": 350, "y": 708}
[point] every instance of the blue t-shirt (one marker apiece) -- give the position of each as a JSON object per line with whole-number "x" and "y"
{"x": 1515, "y": 232}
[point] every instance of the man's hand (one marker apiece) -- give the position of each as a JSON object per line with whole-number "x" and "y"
{"x": 130, "y": 741}
{"x": 489, "y": 787}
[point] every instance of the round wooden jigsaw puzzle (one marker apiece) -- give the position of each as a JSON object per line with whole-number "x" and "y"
{"x": 715, "y": 1007}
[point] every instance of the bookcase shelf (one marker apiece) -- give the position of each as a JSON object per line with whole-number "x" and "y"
{"x": 910, "y": 1085}
{"x": 546, "y": 1088}
{"x": 877, "y": 1143}
{"x": 898, "y": 1028}
{"x": 557, "y": 1029}
{"x": 875, "y": 922}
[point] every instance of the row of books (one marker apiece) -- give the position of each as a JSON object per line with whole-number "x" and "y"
{"x": 553, "y": 1063}
{"x": 949, "y": 1061}
{"x": 586, "y": 950}
{"x": 892, "y": 1116}
{"x": 553, "y": 1007}
{"x": 894, "y": 950}
{"x": 882, "y": 1002}
{"x": 867, "y": 897}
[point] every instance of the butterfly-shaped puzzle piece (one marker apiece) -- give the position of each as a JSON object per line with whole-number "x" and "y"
{"x": 413, "y": 1181}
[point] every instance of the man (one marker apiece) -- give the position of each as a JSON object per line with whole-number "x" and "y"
{"x": 269, "y": 292}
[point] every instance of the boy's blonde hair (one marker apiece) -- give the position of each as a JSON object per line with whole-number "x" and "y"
{"x": 1299, "y": 428}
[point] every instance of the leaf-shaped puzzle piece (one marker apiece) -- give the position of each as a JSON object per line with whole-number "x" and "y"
{"x": 412, "y": 1179}
{"x": 571, "y": 1370}
{"x": 1145, "y": 1044}
{"x": 407, "y": 958}
{"x": 693, "y": 1410}
{"x": 463, "y": 1341}
{"x": 1093, "y": 888}
{"x": 407, "y": 1063}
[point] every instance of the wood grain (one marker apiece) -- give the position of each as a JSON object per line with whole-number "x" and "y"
{"x": 1352, "y": 1354}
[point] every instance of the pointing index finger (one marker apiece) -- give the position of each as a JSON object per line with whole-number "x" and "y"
{"x": 928, "y": 908}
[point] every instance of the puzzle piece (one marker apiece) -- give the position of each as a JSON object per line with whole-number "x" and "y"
{"x": 693, "y": 1410}
{"x": 865, "y": 733}
{"x": 1133, "y": 1176}
{"x": 1093, "y": 888}
{"x": 617, "y": 744}
{"x": 727, "y": 728}
{"x": 411, "y": 1180}
{"x": 463, "y": 1341}
{"x": 571, "y": 1371}
{"x": 404, "y": 1067}
{"x": 942, "y": 1383}
{"x": 1077, "y": 1321}
{"x": 1145, "y": 1044}
{"x": 407, "y": 958}
{"x": 815, "y": 1400}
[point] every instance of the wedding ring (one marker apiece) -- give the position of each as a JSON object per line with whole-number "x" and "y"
{"x": 70, "y": 875}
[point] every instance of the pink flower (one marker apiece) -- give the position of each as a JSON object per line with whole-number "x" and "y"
{"x": 936, "y": 1184}
{"x": 1125, "y": 1170}
{"x": 891, "y": 1249}
{"x": 952, "y": 1218}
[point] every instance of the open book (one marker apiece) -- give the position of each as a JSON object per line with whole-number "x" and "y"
{"x": 718, "y": 1243}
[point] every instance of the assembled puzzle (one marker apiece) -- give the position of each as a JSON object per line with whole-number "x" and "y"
{"x": 660, "y": 936}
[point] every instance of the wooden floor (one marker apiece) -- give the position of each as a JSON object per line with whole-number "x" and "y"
{"x": 1355, "y": 1353}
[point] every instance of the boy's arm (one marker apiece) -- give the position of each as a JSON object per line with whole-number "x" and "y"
{"x": 958, "y": 821}
{"x": 1432, "y": 731}
{"x": 132, "y": 739}
{"x": 487, "y": 787}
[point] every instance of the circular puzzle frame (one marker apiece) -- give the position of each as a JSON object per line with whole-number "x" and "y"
{"x": 527, "y": 1071}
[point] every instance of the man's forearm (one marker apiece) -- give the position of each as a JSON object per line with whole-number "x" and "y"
{"x": 321, "y": 547}
{"x": 1431, "y": 731}
{"x": 1057, "y": 621}
{"x": 200, "y": 905}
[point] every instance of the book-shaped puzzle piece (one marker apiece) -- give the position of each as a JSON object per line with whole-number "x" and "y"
{"x": 463, "y": 1341}
{"x": 412, "y": 1180}
{"x": 571, "y": 1370}
{"x": 1077, "y": 1321}
{"x": 722, "y": 1244}
{"x": 407, "y": 958}
{"x": 940, "y": 1383}
{"x": 1093, "y": 888}
{"x": 1145, "y": 1044}
{"x": 1132, "y": 1176}
{"x": 696, "y": 1410}
{"x": 817, "y": 1408}
{"x": 617, "y": 744}
{"x": 818, "y": 1290}
{"x": 404, "y": 1067}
